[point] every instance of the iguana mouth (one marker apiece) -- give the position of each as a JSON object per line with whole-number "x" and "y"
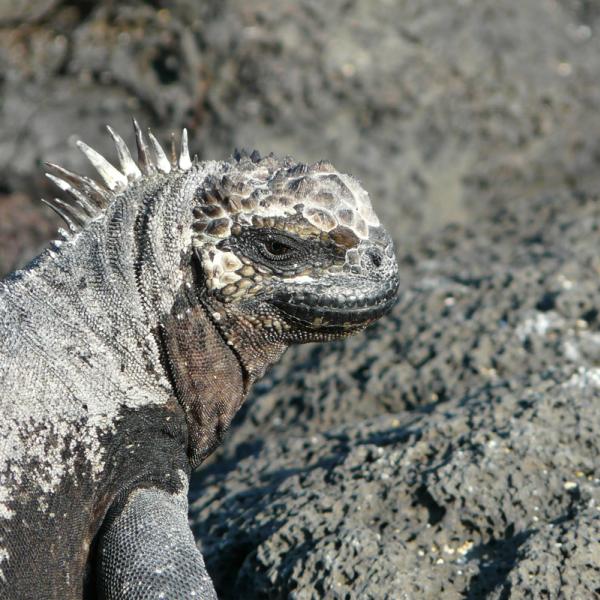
{"x": 337, "y": 308}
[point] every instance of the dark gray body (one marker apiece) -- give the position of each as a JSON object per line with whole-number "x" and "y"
{"x": 126, "y": 350}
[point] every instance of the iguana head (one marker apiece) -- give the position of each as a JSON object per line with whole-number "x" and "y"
{"x": 294, "y": 250}
{"x": 285, "y": 252}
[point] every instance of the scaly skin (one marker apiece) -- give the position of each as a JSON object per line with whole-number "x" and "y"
{"x": 126, "y": 350}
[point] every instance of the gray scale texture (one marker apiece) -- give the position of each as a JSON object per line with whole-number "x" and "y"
{"x": 128, "y": 346}
{"x": 85, "y": 398}
{"x": 151, "y": 553}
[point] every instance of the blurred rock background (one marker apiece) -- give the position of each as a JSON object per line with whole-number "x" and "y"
{"x": 452, "y": 450}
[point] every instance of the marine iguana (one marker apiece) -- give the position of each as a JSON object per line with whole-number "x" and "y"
{"x": 127, "y": 347}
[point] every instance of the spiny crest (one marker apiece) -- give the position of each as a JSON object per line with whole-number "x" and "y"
{"x": 243, "y": 155}
{"x": 88, "y": 198}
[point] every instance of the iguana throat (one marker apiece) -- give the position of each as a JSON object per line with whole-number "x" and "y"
{"x": 213, "y": 357}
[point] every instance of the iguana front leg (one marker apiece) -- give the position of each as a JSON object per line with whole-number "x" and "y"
{"x": 147, "y": 551}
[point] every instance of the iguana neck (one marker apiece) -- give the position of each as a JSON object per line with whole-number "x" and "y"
{"x": 121, "y": 275}
{"x": 211, "y": 372}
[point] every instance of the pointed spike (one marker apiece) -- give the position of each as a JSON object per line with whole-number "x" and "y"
{"x": 64, "y": 234}
{"x": 144, "y": 159}
{"x": 73, "y": 228}
{"x": 128, "y": 165}
{"x": 76, "y": 214}
{"x": 211, "y": 197}
{"x": 173, "y": 150}
{"x": 184, "y": 158}
{"x": 95, "y": 192}
{"x": 114, "y": 179}
{"x": 161, "y": 161}
{"x": 79, "y": 197}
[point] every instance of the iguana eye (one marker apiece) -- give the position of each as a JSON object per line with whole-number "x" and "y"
{"x": 282, "y": 252}
{"x": 277, "y": 248}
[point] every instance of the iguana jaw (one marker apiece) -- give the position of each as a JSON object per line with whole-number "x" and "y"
{"x": 340, "y": 307}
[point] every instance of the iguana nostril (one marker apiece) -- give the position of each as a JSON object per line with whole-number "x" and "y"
{"x": 376, "y": 257}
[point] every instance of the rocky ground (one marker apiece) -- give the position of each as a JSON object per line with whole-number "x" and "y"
{"x": 452, "y": 451}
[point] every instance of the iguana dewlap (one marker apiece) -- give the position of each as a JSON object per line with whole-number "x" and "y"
{"x": 127, "y": 348}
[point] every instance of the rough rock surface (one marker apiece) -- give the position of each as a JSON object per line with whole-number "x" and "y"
{"x": 452, "y": 450}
